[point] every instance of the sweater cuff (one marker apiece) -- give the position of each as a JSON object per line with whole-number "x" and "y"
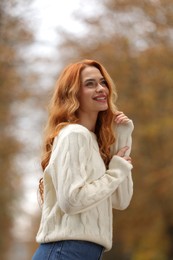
{"x": 118, "y": 162}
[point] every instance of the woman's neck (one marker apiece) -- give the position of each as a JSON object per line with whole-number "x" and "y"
{"x": 88, "y": 121}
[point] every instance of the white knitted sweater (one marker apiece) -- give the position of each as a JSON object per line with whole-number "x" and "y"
{"x": 79, "y": 193}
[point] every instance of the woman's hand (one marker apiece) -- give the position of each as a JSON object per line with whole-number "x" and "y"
{"x": 122, "y": 153}
{"x": 121, "y": 118}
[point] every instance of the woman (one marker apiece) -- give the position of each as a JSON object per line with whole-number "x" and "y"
{"x": 86, "y": 164}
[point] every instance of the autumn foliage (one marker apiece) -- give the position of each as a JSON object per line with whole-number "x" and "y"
{"x": 133, "y": 40}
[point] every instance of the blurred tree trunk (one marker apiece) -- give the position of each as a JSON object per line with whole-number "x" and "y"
{"x": 13, "y": 33}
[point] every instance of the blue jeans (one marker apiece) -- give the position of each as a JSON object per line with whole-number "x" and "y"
{"x": 69, "y": 250}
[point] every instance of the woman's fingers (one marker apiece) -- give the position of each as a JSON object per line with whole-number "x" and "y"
{"x": 122, "y": 151}
{"x": 121, "y": 118}
{"x": 129, "y": 159}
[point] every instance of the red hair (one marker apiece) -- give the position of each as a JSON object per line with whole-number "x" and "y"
{"x": 64, "y": 106}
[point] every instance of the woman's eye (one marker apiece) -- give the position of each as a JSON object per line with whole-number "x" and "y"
{"x": 104, "y": 83}
{"x": 90, "y": 84}
{"x": 94, "y": 84}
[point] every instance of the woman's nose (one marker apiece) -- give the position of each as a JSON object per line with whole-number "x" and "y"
{"x": 99, "y": 88}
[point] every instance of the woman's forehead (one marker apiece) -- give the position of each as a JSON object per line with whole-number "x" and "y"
{"x": 91, "y": 72}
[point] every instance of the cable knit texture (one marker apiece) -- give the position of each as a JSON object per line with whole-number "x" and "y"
{"x": 79, "y": 192}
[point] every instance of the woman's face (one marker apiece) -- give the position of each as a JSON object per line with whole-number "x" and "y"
{"x": 93, "y": 93}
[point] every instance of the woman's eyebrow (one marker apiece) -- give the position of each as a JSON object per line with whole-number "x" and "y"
{"x": 89, "y": 80}
{"x": 94, "y": 80}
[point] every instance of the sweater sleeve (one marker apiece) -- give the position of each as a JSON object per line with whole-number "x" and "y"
{"x": 75, "y": 193}
{"x": 123, "y": 137}
{"x": 123, "y": 194}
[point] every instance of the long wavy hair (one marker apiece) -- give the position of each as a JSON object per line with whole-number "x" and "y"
{"x": 63, "y": 109}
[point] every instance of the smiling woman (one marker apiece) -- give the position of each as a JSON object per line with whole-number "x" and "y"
{"x": 86, "y": 164}
{"x": 93, "y": 95}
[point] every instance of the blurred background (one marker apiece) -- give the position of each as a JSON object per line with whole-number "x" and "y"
{"x": 133, "y": 39}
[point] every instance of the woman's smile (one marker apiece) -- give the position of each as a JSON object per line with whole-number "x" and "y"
{"x": 93, "y": 92}
{"x": 101, "y": 98}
